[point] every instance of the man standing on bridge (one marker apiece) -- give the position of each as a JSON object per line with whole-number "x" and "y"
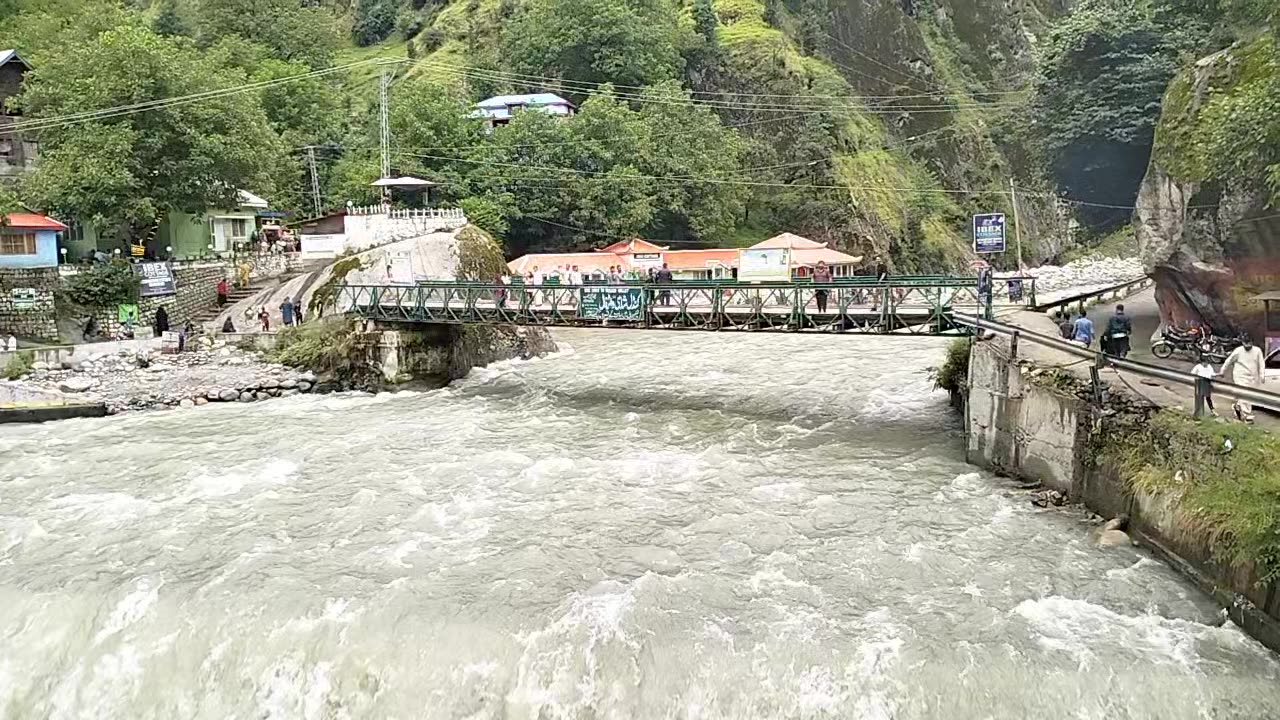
{"x": 663, "y": 278}
{"x": 1245, "y": 364}
{"x": 821, "y": 274}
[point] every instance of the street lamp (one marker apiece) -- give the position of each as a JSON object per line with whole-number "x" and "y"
{"x": 64, "y": 255}
{"x": 169, "y": 249}
{"x": 210, "y": 246}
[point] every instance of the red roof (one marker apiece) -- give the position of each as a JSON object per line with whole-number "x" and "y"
{"x": 638, "y": 245}
{"x": 32, "y": 221}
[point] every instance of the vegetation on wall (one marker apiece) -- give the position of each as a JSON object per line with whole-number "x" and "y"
{"x": 18, "y": 364}
{"x": 1221, "y": 478}
{"x": 103, "y": 285}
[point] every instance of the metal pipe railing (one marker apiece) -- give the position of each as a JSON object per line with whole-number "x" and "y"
{"x": 1262, "y": 398}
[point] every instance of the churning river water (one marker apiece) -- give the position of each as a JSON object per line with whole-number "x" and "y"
{"x": 646, "y": 525}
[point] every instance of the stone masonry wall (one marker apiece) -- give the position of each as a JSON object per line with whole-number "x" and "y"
{"x": 197, "y": 290}
{"x": 38, "y": 322}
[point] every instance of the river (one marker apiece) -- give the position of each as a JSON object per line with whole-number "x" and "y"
{"x": 646, "y": 525}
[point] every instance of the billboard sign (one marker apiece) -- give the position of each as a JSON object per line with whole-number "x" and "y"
{"x": 764, "y": 264}
{"x": 646, "y": 260}
{"x": 988, "y": 233}
{"x": 156, "y": 279}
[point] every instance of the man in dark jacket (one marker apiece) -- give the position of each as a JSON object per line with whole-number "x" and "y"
{"x": 162, "y": 322}
{"x": 1116, "y": 337}
{"x": 663, "y": 277}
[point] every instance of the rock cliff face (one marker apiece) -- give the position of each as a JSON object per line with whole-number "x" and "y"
{"x": 1210, "y": 243}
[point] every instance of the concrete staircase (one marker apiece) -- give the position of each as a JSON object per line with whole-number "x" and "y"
{"x": 234, "y": 295}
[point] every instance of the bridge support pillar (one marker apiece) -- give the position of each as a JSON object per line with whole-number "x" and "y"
{"x": 404, "y": 354}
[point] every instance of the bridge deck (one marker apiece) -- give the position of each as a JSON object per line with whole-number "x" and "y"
{"x": 893, "y": 307}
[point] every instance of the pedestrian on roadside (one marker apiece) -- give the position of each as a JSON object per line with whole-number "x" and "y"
{"x": 821, "y": 274}
{"x": 265, "y": 318}
{"x": 161, "y": 325}
{"x": 222, "y": 292}
{"x": 1082, "y": 330}
{"x": 1245, "y": 364}
{"x": 1204, "y": 387}
{"x": 286, "y": 312}
{"x": 1066, "y": 328}
{"x": 664, "y": 278}
{"x": 1119, "y": 328}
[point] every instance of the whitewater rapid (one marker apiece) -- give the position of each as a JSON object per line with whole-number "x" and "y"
{"x": 647, "y": 525}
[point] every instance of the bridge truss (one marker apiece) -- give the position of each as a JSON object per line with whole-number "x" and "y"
{"x": 901, "y": 306}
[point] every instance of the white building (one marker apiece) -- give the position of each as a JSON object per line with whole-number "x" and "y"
{"x": 499, "y": 110}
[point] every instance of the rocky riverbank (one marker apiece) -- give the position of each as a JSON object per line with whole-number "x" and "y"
{"x": 1086, "y": 273}
{"x": 128, "y": 381}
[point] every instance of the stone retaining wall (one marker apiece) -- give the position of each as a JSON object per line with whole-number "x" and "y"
{"x": 197, "y": 290}
{"x": 30, "y": 312}
{"x": 1019, "y": 423}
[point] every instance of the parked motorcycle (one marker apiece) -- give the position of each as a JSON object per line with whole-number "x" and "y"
{"x": 1196, "y": 343}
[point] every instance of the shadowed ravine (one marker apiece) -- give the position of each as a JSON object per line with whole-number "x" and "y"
{"x": 647, "y": 525}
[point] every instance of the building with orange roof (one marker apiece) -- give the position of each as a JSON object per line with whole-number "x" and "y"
{"x": 29, "y": 240}
{"x": 707, "y": 264}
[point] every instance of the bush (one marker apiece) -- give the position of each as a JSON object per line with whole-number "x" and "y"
{"x": 431, "y": 40}
{"x": 103, "y": 285}
{"x": 325, "y": 347}
{"x": 954, "y": 373}
{"x": 375, "y": 20}
{"x": 19, "y": 364}
{"x": 1227, "y": 493}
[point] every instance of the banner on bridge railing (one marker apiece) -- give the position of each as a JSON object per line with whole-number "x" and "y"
{"x": 611, "y": 303}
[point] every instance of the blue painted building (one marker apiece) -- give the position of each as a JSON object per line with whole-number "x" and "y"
{"x": 28, "y": 240}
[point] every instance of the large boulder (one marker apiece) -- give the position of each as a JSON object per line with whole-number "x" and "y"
{"x": 77, "y": 384}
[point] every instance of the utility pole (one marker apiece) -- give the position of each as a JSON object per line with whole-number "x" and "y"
{"x": 315, "y": 180}
{"x": 383, "y": 87}
{"x": 1017, "y": 224}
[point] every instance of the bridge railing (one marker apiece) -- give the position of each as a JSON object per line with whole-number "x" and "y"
{"x": 1256, "y": 396}
{"x": 917, "y": 306}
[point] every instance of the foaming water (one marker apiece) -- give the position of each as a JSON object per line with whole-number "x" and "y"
{"x": 646, "y": 525}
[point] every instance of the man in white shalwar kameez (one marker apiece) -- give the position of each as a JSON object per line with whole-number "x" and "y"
{"x": 1245, "y": 363}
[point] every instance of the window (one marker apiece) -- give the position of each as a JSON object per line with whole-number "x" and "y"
{"x": 17, "y": 243}
{"x": 239, "y": 228}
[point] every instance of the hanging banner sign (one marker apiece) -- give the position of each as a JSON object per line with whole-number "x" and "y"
{"x": 611, "y": 303}
{"x": 760, "y": 264}
{"x": 1015, "y": 290}
{"x": 156, "y": 279}
{"x": 988, "y": 233}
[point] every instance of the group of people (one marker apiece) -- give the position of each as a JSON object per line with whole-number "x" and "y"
{"x": 572, "y": 276}
{"x": 290, "y": 315}
{"x": 1115, "y": 338}
{"x": 1245, "y": 363}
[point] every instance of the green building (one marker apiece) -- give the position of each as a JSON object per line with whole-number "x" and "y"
{"x": 190, "y": 235}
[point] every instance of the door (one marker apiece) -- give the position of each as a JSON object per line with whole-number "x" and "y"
{"x": 220, "y": 242}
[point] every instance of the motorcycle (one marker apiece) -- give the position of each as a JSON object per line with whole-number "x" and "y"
{"x": 1196, "y": 343}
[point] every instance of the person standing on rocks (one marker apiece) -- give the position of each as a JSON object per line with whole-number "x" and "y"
{"x": 222, "y": 292}
{"x": 1245, "y": 364}
{"x": 286, "y": 312}
{"x": 162, "y": 321}
{"x": 265, "y": 318}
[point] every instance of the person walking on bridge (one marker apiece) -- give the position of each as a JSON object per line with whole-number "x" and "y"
{"x": 821, "y": 275}
{"x": 1245, "y": 364}
{"x": 1083, "y": 330}
{"x": 1119, "y": 328}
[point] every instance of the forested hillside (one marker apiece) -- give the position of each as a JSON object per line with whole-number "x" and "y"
{"x": 879, "y": 126}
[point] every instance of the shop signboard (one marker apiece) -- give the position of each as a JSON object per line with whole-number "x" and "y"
{"x": 988, "y": 233}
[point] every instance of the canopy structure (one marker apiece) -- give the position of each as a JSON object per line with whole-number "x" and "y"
{"x": 403, "y": 182}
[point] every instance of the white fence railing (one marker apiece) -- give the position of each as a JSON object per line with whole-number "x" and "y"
{"x": 407, "y": 213}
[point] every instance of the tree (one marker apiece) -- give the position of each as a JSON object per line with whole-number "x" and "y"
{"x": 627, "y": 42}
{"x": 375, "y": 20}
{"x": 127, "y": 171}
{"x": 168, "y": 21}
{"x": 704, "y": 21}
{"x": 308, "y": 35}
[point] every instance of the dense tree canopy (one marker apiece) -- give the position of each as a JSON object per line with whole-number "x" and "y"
{"x": 626, "y": 42}
{"x": 127, "y": 170}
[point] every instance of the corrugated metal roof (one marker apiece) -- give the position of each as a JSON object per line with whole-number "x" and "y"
{"x": 501, "y": 101}
{"x": 9, "y": 55}
{"x": 33, "y": 221}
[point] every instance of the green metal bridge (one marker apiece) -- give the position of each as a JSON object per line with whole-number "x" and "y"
{"x": 901, "y": 305}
